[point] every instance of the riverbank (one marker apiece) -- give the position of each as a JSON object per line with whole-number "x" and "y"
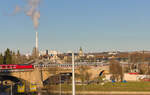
{"x": 100, "y": 93}
{"x": 107, "y": 87}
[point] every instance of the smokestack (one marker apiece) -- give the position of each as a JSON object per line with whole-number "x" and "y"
{"x": 36, "y": 45}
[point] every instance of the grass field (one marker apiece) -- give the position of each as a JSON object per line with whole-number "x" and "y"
{"x": 129, "y": 86}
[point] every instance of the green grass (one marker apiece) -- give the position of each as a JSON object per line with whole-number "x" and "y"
{"x": 129, "y": 86}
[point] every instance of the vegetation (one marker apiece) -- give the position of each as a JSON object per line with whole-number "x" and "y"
{"x": 11, "y": 57}
{"x": 84, "y": 75}
{"x": 116, "y": 70}
{"x": 129, "y": 86}
{"x": 1, "y": 59}
{"x": 100, "y": 79}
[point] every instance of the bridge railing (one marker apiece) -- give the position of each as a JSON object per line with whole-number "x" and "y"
{"x": 70, "y": 65}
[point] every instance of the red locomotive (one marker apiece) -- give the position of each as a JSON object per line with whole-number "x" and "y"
{"x": 16, "y": 66}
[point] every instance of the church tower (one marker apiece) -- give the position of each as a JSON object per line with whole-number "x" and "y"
{"x": 81, "y": 52}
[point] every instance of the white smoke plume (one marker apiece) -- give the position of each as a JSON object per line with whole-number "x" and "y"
{"x": 17, "y": 9}
{"x": 32, "y": 10}
{"x": 35, "y": 18}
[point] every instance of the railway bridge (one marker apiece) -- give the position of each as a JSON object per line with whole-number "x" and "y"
{"x": 42, "y": 71}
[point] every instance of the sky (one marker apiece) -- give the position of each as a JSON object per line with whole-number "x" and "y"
{"x": 95, "y": 25}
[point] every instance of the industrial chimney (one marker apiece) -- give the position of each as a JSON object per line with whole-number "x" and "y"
{"x": 37, "y": 45}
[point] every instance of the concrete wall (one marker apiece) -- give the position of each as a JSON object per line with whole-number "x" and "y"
{"x": 128, "y": 77}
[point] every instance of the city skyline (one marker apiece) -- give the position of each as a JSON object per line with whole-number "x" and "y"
{"x": 67, "y": 25}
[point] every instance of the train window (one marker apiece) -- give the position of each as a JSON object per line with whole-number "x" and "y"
{"x": 8, "y": 67}
{"x": 3, "y": 67}
{"x": 12, "y": 66}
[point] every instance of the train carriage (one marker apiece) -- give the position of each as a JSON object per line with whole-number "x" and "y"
{"x": 16, "y": 66}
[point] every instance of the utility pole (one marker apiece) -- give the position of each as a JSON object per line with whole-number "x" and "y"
{"x": 122, "y": 71}
{"x": 73, "y": 75}
{"x": 60, "y": 84}
{"x": 11, "y": 89}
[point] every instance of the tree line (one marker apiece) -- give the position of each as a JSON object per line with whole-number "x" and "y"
{"x": 10, "y": 57}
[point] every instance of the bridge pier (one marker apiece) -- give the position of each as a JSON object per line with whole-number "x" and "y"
{"x": 37, "y": 77}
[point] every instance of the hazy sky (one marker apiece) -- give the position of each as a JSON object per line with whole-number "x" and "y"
{"x": 96, "y": 25}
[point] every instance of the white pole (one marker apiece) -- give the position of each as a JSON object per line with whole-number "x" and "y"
{"x": 73, "y": 75}
{"x": 11, "y": 89}
{"x": 60, "y": 84}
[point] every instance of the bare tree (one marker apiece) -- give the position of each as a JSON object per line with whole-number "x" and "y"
{"x": 87, "y": 77}
{"x": 53, "y": 79}
{"x": 116, "y": 70}
{"x": 100, "y": 78}
{"x": 84, "y": 74}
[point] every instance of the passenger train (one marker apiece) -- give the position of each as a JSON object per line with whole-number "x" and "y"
{"x": 16, "y": 66}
